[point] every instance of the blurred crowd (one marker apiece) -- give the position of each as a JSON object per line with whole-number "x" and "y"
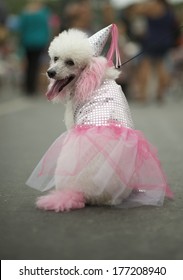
{"x": 150, "y": 40}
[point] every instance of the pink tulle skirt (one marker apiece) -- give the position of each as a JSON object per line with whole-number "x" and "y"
{"x": 92, "y": 156}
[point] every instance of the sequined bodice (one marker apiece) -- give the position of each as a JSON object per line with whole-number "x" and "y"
{"x": 107, "y": 104}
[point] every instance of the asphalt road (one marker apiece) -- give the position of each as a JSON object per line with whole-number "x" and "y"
{"x": 27, "y": 129}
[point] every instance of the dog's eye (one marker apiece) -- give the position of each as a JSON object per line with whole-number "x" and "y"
{"x": 69, "y": 62}
{"x": 55, "y": 58}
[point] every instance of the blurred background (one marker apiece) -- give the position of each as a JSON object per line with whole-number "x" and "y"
{"x": 150, "y": 27}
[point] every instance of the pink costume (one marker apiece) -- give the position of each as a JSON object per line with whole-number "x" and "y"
{"x": 103, "y": 145}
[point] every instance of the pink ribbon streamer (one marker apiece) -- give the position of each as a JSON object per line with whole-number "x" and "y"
{"x": 114, "y": 48}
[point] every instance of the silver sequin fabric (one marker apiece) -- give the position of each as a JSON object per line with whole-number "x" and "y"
{"x": 106, "y": 105}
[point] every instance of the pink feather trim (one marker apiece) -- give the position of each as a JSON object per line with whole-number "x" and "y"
{"x": 91, "y": 78}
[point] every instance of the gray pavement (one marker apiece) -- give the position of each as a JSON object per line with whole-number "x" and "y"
{"x": 27, "y": 129}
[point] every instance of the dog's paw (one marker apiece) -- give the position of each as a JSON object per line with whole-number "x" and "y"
{"x": 60, "y": 201}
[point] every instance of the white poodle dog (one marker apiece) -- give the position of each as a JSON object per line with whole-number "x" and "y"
{"x": 96, "y": 160}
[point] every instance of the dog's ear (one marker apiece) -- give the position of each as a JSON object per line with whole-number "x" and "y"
{"x": 91, "y": 78}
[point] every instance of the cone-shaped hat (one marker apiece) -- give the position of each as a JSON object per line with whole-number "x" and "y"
{"x": 99, "y": 39}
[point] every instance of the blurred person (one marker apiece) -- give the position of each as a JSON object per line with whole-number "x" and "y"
{"x": 129, "y": 47}
{"x": 176, "y": 64}
{"x": 3, "y": 12}
{"x": 3, "y": 18}
{"x": 78, "y": 15}
{"x": 4, "y": 34}
{"x": 156, "y": 42}
{"x": 34, "y": 38}
{"x": 108, "y": 14}
{"x": 55, "y": 24}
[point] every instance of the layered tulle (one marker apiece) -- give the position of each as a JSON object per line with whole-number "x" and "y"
{"x": 110, "y": 159}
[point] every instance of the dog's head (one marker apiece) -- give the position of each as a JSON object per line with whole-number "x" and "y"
{"x": 70, "y": 53}
{"x": 76, "y": 65}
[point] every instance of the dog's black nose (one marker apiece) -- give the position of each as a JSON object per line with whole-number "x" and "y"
{"x": 51, "y": 73}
